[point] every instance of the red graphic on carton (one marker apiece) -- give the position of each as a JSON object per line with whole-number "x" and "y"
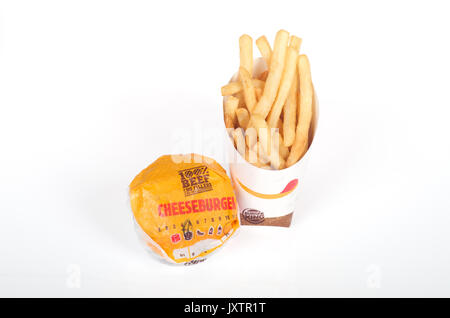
{"x": 290, "y": 186}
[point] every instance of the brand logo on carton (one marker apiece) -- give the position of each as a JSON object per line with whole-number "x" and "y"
{"x": 253, "y": 216}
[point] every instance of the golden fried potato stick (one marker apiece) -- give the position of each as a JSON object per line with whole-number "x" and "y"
{"x": 251, "y": 136}
{"x": 258, "y": 162}
{"x": 277, "y": 150}
{"x": 276, "y": 160}
{"x": 263, "y": 158}
{"x": 230, "y": 106}
{"x": 258, "y": 83}
{"x": 258, "y": 93}
{"x": 243, "y": 117}
{"x": 236, "y": 87}
{"x": 283, "y": 150}
{"x": 239, "y": 140}
{"x": 265, "y": 49}
{"x": 290, "y": 114}
{"x": 280, "y": 126}
{"x": 240, "y": 96}
{"x": 249, "y": 89}
{"x": 276, "y": 71}
{"x": 246, "y": 53}
{"x": 295, "y": 42}
{"x": 262, "y": 130}
{"x": 300, "y": 145}
{"x": 228, "y": 121}
{"x": 263, "y": 76}
{"x": 251, "y": 156}
{"x": 231, "y": 88}
{"x": 286, "y": 83}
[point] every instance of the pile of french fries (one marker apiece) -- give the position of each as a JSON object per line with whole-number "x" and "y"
{"x": 268, "y": 115}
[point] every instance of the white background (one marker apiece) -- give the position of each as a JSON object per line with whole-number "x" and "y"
{"x": 92, "y": 92}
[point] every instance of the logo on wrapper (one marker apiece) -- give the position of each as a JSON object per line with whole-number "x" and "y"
{"x": 195, "y": 180}
{"x": 253, "y": 216}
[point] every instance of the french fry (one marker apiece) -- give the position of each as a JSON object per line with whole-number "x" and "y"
{"x": 263, "y": 76}
{"x": 251, "y": 156}
{"x": 239, "y": 140}
{"x": 263, "y": 158}
{"x": 282, "y": 149}
{"x": 242, "y": 117}
{"x": 248, "y": 153}
{"x": 262, "y": 130}
{"x": 286, "y": 83}
{"x": 258, "y": 93}
{"x": 231, "y": 88}
{"x": 249, "y": 89}
{"x": 300, "y": 145}
{"x": 280, "y": 126}
{"x": 276, "y": 160}
{"x": 295, "y": 42}
{"x": 236, "y": 87}
{"x": 265, "y": 49}
{"x": 228, "y": 121}
{"x": 230, "y": 106}
{"x": 290, "y": 114}
{"x": 258, "y": 83}
{"x": 257, "y": 122}
{"x": 251, "y": 136}
{"x": 246, "y": 52}
{"x": 260, "y": 162}
{"x": 240, "y": 96}
{"x": 275, "y": 73}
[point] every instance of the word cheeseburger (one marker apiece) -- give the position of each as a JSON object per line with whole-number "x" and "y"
{"x": 196, "y": 206}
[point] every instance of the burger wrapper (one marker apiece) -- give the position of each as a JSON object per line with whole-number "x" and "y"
{"x": 183, "y": 210}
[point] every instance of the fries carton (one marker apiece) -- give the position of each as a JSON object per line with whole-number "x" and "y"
{"x": 268, "y": 197}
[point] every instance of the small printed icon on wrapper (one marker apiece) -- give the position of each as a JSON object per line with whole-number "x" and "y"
{"x": 200, "y": 233}
{"x": 219, "y": 229}
{"x": 186, "y": 227}
{"x": 175, "y": 238}
{"x": 211, "y": 231}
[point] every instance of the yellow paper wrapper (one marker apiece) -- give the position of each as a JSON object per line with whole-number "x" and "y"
{"x": 184, "y": 210}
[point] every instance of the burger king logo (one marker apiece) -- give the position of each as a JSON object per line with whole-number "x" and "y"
{"x": 253, "y": 216}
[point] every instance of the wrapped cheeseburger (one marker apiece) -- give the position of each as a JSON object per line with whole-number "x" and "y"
{"x": 183, "y": 211}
